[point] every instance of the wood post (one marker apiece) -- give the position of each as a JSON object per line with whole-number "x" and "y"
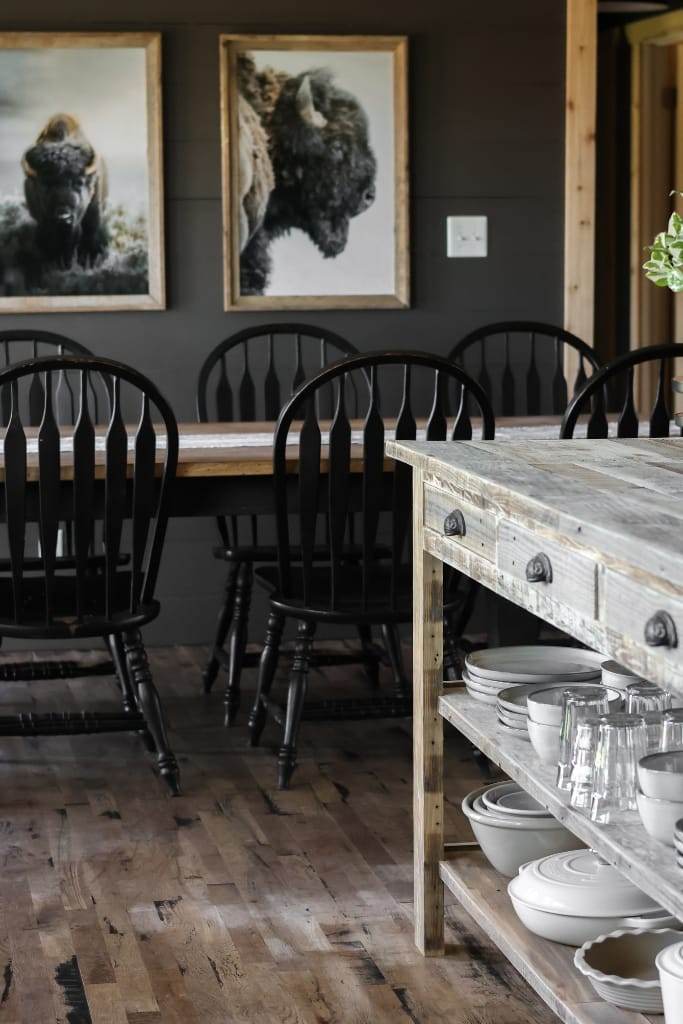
{"x": 427, "y": 735}
{"x": 579, "y": 201}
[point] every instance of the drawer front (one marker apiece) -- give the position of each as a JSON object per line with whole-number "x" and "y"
{"x": 650, "y": 618}
{"x": 556, "y": 571}
{"x": 463, "y": 523}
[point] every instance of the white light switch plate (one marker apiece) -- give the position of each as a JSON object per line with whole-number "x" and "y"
{"x": 466, "y": 236}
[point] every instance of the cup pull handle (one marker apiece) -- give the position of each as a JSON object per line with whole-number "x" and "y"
{"x": 539, "y": 569}
{"x": 454, "y": 524}
{"x": 660, "y": 631}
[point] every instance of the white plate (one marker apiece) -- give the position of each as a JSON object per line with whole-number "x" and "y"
{"x": 483, "y": 698}
{"x": 513, "y": 721}
{"x": 528, "y": 664}
{"x": 482, "y": 684}
{"x": 517, "y": 733}
{"x": 475, "y": 684}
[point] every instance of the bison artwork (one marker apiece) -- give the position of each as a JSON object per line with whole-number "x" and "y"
{"x": 65, "y": 188}
{"x": 305, "y": 162}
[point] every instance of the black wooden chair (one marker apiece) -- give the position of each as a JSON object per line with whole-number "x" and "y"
{"x": 377, "y": 589}
{"x": 92, "y": 593}
{"x": 618, "y": 378}
{"x": 268, "y": 363}
{"x": 511, "y": 360}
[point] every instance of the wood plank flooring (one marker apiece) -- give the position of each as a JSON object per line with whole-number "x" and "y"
{"x": 234, "y": 902}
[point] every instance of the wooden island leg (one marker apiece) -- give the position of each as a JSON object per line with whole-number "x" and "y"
{"x": 427, "y": 735}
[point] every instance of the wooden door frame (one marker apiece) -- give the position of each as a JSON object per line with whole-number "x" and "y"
{"x": 579, "y": 185}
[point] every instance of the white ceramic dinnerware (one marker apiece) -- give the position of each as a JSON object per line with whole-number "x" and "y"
{"x": 509, "y": 798}
{"x": 545, "y": 706}
{"x": 661, "y": 775}
{"x": 574, "y": 897}
{"x": 622, "y": 967}
{"x": 514, "y": 698}
{"x": 531, "y": 664}
{"x": 514, "y": 721}
{"x": 614, "y": 674}
{"x": 545, "y": 739}
{"x": 509, "y": 840}
{"x": 669, "y": 963}
{"x": 659, "y": 817}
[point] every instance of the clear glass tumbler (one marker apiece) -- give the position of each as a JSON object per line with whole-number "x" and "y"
{"x": 654, "y": 720}
{"x": 672, "y": 729}
{"x": 622, "y": 741}
{"x": 577, "y": 703}
{"x": 642, "y": 697}
{"x": 583, "y": 763}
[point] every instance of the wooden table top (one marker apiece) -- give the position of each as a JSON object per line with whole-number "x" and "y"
{"x": 246, "y": 449}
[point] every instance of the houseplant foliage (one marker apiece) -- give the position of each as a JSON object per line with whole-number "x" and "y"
{"x": 665, "y": 265}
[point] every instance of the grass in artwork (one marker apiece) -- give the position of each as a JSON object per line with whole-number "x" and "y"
{"x": 122, "y": 271}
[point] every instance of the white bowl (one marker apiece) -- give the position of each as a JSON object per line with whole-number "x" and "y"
{"x": 510, "y": 842}
{"x": 659, "y": 817}
{"x": 621, "y": 966}
{"x": 614, "y": 674}
{"x": 545, "y": 706}
{"x": 661, "y": 775}
{"x": 508, "y": 798}
{"x": 669, "y": 963}
{"x": 545, "y": 740}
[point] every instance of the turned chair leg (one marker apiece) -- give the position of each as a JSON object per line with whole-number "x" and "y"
{"x": 370, "y": 660}
{"x": 298, "y": 678}
{"x": 130, "y": 704}
{"x": 150, "y": 705}
{"x": 266, "y": 675}
{"x": 237, "y": 641}
{"x": 223, "y": 625}
{"x": 392, "y": 642}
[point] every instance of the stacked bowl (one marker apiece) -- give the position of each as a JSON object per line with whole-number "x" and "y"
{"x": 513, "y": 828}
{"x": 545, "y": 707}
{"x": 660, "y": 797}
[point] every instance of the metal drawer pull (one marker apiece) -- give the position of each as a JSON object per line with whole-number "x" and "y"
{"x": 454, "y": 524}
{"x": 660, "y": 631}
{"x": 539, "y": 569}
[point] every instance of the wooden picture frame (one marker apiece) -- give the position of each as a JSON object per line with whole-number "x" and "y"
{"x": 257, "y": 211}
{"x": 56, "y": 269}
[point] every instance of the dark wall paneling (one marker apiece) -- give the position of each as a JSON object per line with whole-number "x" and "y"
{"x": 487, "y": 134}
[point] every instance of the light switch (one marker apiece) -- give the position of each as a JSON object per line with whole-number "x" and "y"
{"x": 466, "y": 236}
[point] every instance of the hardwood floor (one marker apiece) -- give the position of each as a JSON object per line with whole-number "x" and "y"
{"x": 234, "y": 902}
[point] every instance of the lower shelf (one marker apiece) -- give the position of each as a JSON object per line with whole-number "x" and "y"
{"x": 547, "y": 966}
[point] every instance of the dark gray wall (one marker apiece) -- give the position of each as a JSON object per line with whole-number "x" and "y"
{"x": 487, "y": 127}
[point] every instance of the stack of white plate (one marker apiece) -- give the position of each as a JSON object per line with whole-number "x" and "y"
{"x": 490, "y": 673}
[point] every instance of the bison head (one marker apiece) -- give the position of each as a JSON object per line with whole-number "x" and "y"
{"x": 61, "y": 182}
{"x": 324, "y": 166}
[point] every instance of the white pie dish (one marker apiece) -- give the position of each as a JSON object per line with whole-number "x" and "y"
{"x": 621, "y": 966}
{"x": 574, "y": 897}
{"x": 659, "y": 817}
{"x": 507, "y": 841}
{"x": 545, "y": 740}
{"x": 669, "y": 963}
{"x": 545, "y": 706}
{"x": 661, "y": 775}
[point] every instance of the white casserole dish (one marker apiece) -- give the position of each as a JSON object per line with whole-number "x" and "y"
{"x": 574, "y": 897}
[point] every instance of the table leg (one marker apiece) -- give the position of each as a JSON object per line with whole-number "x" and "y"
{"x": 427, "y": 735}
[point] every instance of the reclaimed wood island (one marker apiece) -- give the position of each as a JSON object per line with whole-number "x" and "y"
{"x": 607, "y": 516}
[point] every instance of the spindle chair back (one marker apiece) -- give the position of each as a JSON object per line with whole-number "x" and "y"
{"x": 45, "y": 596}
{"x": 619, "y": 376}
{"x": 510, "y": 361}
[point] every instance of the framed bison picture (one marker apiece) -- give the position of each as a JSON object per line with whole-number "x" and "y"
{"x": 81, "y": 185}
{"x": 315, "y": 172}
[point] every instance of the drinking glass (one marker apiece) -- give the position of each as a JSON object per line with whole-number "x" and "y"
{"x": 654, "y": 720}
{"x": 583, "y": 763}
{"x": 642, "y": 697}
{"x": 622, "y": 741}
{"x": 577, "y": 704}
{"x": 672, "y": 729}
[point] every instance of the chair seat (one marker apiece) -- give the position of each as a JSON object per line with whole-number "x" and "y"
{"x": 63, "y": 624}
{"x": 350, "y": 606}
